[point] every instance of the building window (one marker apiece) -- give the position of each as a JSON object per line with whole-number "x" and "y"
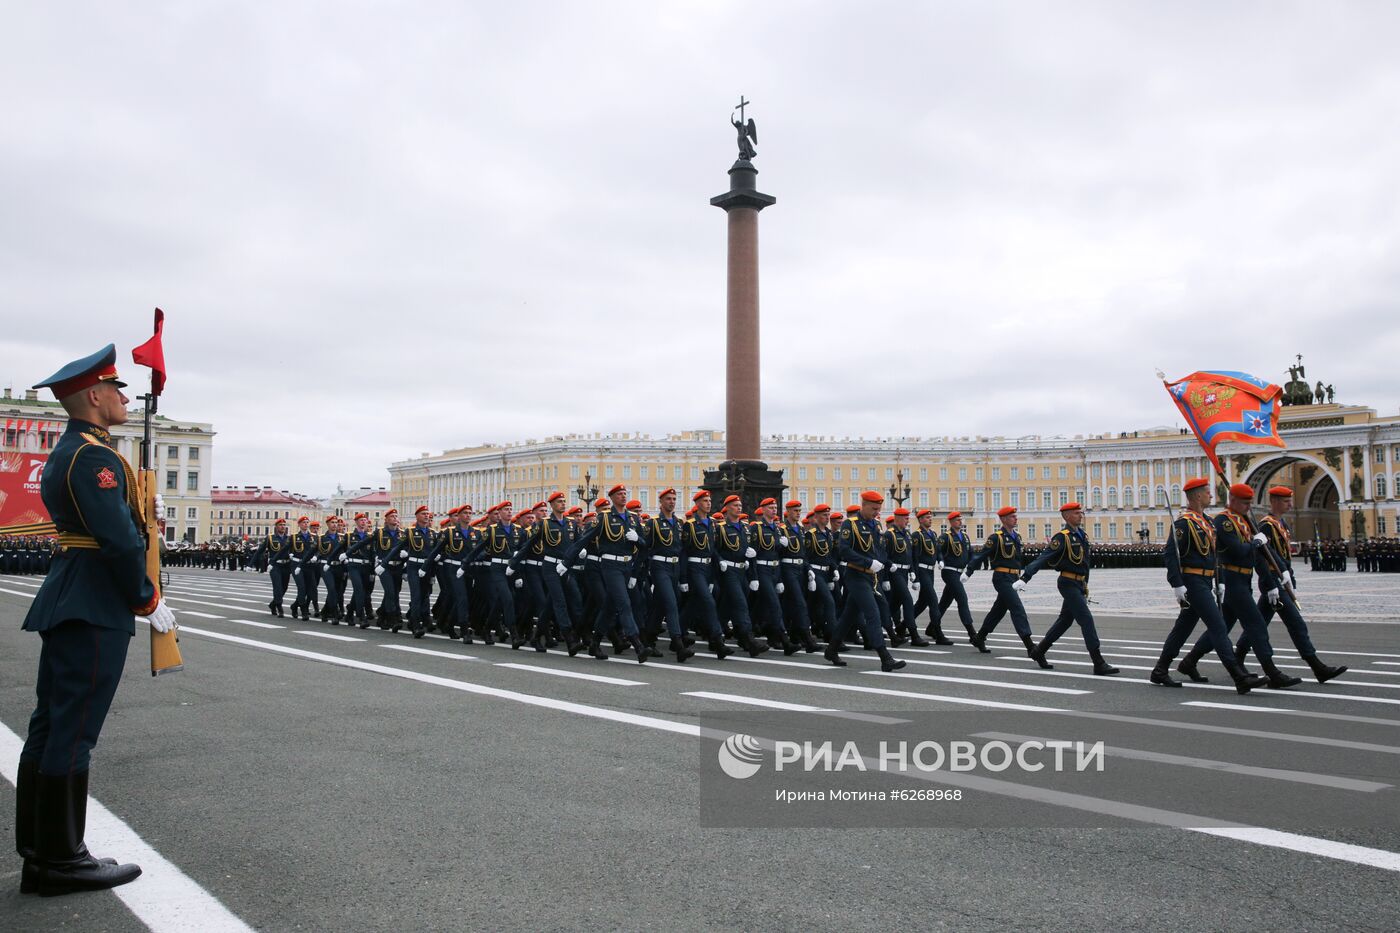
{"x": 1064, "y": 472}
{"x": 981, "y": 500}
{"x": 194, "y": 453}
{"x": 1030, "y": 531}
{"x": 838, "y": 501}
{"x": 642, "y": 471}
{"x": 801, "y": 472}
{"x": 962, "y": 498}
{"x": 869, "y": 474}
{"x": 996, "y": 473}
{"x": 821, "y": 473}
{"x": 172, "y": 479}
{"x": 574, "y": 472}
{"x": 695, "y": 473}
{"x": 1096, "y": 498}
{"x": 644, "y": 496}
{"x": 802, "y": 495}
{"x": 821, "y": 496}
{"x": 1015, "y": 498}
{"x": 191, "y": 514}
{"x": 1046, "y": 502}
{"x": 962, "y": 474}
{"x": 192, "y": 481}
{"x": 170, "y": 513}
{"x": 1161, "y": 530}
{"x": 1380, "y": 487}
{"x": 943, "y": 498}
{"x": 1113, "y": 497}
{"x": 923, "y": 498}
{"x": 889, "y": 473}
{"x": 980, "y": 473}
{"x": 1113, "y": 531}
{"x": 923, "y": 474}
{"x": 608, "y": 471}
{"x": 172, "y": 453}
{"x": 835, "y": 473}
{"x": 1015, "y": 472}
{"x": 943, "y": 473}
{"x": 981, "y": 531}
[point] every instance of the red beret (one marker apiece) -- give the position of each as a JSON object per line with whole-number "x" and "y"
{"x": 590, "y": 515}
{"x": 1070, "y": 507}
{"x": 358, "y": 516}
{"x": 420, "y": 509}
{"x": 444, "y": 523}
{"x": 820, "y": 507}
{"x": 315, "y": 524}
{"x": 690, "y": 512}
{"x": 1196, "y": 483}
{"x": 465, "y": 507}
{"x": 600, "y": 503}
{"x": 634, "y": 504}
{"x": 743, "y": 515}
{"x": 454, "y": 511}
{"x": 280, "y": 521}
{"x": 1283, "y": 491}
{"x": 769, "y": 501}
{"x": 303, "y": 519}
{"x": 668, "y": 491}
{"x": 729, "y": 499}
{"x": 922, "y": 512}
{"x": 954, "y": 514}
{"x": 852, "y": 509}
{"x": 793, "y": 504}
{"x": 901, "y": 511}
{"x": 537, "y": 505}
{"x": 889, "y": 519}
{"x": 871, "y": 495}
{"x": 618, "y": 488}
{"x": 388, "y": 513}
{"x": 1242, "y": 491}
{"x": 1005, "y": 511}
{"x": 716, "y": 515}
{"x": 555, "y": 495}
{"x": 699, "y": 494}
{"x": 575, "y": 510}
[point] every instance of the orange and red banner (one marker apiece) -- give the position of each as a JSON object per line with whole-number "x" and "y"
{"x": 1228, "y": 406}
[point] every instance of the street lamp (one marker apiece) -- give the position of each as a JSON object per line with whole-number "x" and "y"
{"x": 587, "y": 491}
{"x": 898, "y": 487}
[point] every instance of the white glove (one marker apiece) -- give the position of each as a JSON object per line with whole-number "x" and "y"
{"x": 631, "y": 535}
{"x": 160, "y": 506}
{"x": 379, "y": 568}
{"x": 914, "y": 591}
{"x": 461, "y": 572}
{"x": 783, "y": 541}
{"x": 519, "y": 582}
{"x": 885, "y": 586}
{"x": 962, "y": 577}
{"x": 913, "y": 581}
{"x": 1273, "y": 595}
{"x": 422, "y": 573}
{"x": 712, "y": 589}
{"x": 510, "y": 571}
{"x": 938, "y": 567}
{"x": 162, "y": 619}
{"x": 1261, "y": 539}
{"x": 750, "y": 553}
{"x": 811, "y": 582}
{"x": 315, "y": 560}
{"x": 632, "y": 583}
{"x": 344, "y": 558}
{"x": 1018, "y": 585}
{"x": 560, "y": 569}
{"x": 876, "y": 566}
{"x": 836, "y": 575}
{"x": 780, "y": 589}
{"x": 723, "y": 566}
{"x": 296, "y": 571}
{"x": 685, "y": 587}
{"x": 753, "y": 586}
{"x": 1180, "y": 592}
{"x": 583, "y": 553}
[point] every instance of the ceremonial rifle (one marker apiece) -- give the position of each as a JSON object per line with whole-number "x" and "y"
{"x": 165, "y": 648}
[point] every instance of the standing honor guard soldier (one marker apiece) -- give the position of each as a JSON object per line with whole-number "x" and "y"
{"x": 85, "y": 614}
{"x": 1243, "y": 549}
{"x": 1003, "y": 552}
{"x": 958, "y": 558}
{"x": 1069, "y": 553}
{"x": 274, "y": 555}
{"x": 1192, "y": 570}
{"x": 860, "y": 537}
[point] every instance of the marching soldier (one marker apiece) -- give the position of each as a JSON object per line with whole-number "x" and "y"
{"x": 857, "y": 549}
{"x": 330, "y": 549}
{"x": 928, "y": 568}
{"x": 798, "y": 578}
{"x": 389, "y": 569}
{"x": 958, "y": 559}
{"x": 557, "y": 533}
{"x": 698, "y": 547}
{"x": 359, "y": 556}
{"x": 661, "y": 543}
{"x": 85, "y": 614}
{"x": 450, "y": 554}
{"x": 303, "y": 554}
{"x": 823, "y": 571}
{"x": 732, "y": 556}
{"x": 497, "y": 545}
{"x": 1070, "y": 554}
{"x": 1242, "y": 549}
{"x": 1004, "y": 554}
{"x": 313, "y": 576}
{"x": 615, "y": 534}
{"x": 1191, "y": 571}
{"x": 274, "y": 555}
{"x": 900, "y": 550}
{"x": 414, "y": 548}
{"x": 767, "y": 540}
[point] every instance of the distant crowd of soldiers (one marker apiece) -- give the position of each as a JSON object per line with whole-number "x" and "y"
{"x": 210, "y": 556}
{"x": 1373, "y": 555}
{"x": 26, "y": 553}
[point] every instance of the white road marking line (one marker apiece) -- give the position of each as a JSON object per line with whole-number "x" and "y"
{"x": 795, "y": 707}
{"x": 18, "y": 593}
{"x": 1390, "y": 663}
{"x": 191, "y": 612}
{"x": 164, "y": 898}
{"x": 256, "y": 624}
{"x": 1208, "y": 764}
{"x": 1340, "y": 717}
{"x": 430, "y": 651}
{"x": 576, "y": 675}
{"x": 302, "y": 631}
{"x": 1340, "y": 851}
{"x": 1232, "y": 730}
{"x": 1005, "y": 685}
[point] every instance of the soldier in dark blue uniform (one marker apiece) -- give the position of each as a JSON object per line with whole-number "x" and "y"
{"x": 359, "y": 557}
{"x": 303, "y": 555}
{"x": 557, "y": 533}
{"x": 329, "y": 551}
{"x": 389, "y": 569}
{"x": 798, "y": 578}
{"x": 85, "y": 615}
{"x": 898, "y": 546}
{"x": 959, "y": 561}
{"x": 274, "y": 556}
{"x": 1070, "y": 553}
{"x": 1004, "y": 555}
{"x": 766, "y": 538}
{"x": 414, "y": 548}
{"x": 614, "y": 538}
{"x": 1192, "y": 569}
{"x": 823, "y": 569}
{"x": 858, "y": 552}
{"x": 497, "y": 546}
{"x": 697, "y": 575}
{"x": 928, "y": 569}
{"x": 735, "y": 580}
{"x": 662, "y": 547}
{"x": 1243, "y": 549}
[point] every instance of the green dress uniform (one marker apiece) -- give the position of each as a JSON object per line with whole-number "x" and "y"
{"x": 84, "y": 613}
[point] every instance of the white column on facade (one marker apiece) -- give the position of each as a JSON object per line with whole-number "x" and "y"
{"x": 1366, "y": 456}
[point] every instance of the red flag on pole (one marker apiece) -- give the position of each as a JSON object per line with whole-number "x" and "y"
{"x": 152, "y": 354}
{"x": 1228, "y": 406}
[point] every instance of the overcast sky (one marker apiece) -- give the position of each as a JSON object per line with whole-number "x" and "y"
{"x": 379, "y": 229}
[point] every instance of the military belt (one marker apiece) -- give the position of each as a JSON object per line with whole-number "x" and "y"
{"x": 1198, "y": 571}
{"x": 860, "y": 568}
{"x": 531, "y": 563}
{"x": 666, "y": 560}
{"x": 740, "y": 564}
{"x": 593, "y": 557}
{"x": 499, "y": 560}
{"x": 899, "y": 566}
{"x": 416, "y": 560}
{"x": 767, "y": 563}
{"x": 1247, "y": 571}
{"x": 74, "y": 539}
{"x": 1080, "y": 577}
{"x": 926, "y": 566}
{"x": 356, "y": 560}
{"x": 1006, "y": 570}
{"x": 552, "y": 560}
{"x": 698, "y": 560}
{"x": 793, "y": 560}
{"x": 617, "y": 557}
{"x": 455, "y": 563}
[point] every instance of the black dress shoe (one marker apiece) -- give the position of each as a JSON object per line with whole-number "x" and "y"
{"x": 834, "y": 656}
{"x": 889, "y": 662}
{"x": 1162, "y": 677}
{"x": 1188, "y": 667}
{"x": 1037, "y": 654}
{"x": 682, "y": 652}
{"x": 720, "y": 649}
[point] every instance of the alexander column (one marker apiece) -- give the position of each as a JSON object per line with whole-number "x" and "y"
{"x": 742, "y": 471}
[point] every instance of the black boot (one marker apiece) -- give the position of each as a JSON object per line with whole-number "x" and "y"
{"x": 1278, "y": 680}
{"x": 1161, "y": 674}
{"x": 62, "y": 862}
{"x": 420, "y": 628}
{"x": 833, "y": 654}
{"x": 490, "y": 636}
{"x": 1029, "y": 642}
{"x": 720, "y": 649}
{"x": 516, "y": 639}
{"x": 572, "y": 642}
{"x": 1037, "y": 654}
{"x": 641, "y": 649}
{"x": 979, "y": 641}
{"x": 680, "y": 649}
{"x": 595, "y": 648}
{"x": 541, "y": 638}
{"x": 889, "y": 662}
{"x": 789, "y": 646}
{"x": 466, "y": 634}
{"x": 272, "y": 608}
{"x": 754, "y": 646}
{"x": 1187, "y": 666}
{"x": 1321, "y": 671}
{"x": 1102, "y": 667}
{"x": 935, "y": 631}
{"x": 809, "y": 644}
{"x": 1244, "y": 681}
